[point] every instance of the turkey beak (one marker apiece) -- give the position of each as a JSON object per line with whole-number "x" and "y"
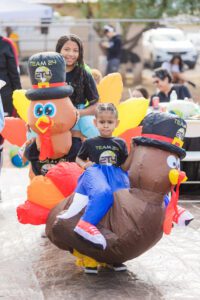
{"x": 176, "y": 176}
{"x": 44, "y": 123}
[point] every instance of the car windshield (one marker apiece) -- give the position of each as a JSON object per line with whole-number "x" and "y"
{"x": 168, "y": 37}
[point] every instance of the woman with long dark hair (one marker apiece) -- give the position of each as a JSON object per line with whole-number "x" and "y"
{"x": 176, "y": 68}
{"x": 85, "y": 95}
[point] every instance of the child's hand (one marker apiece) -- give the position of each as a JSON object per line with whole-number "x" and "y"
{"x": 28, "y": 127}
{"x": 88, "y": 164}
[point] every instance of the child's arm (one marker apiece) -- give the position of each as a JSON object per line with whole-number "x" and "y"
{"x": 84, "y": 163}
{"x": 126, "y": 165}
{"x": 83, "y": 157}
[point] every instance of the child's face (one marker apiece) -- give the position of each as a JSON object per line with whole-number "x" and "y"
{"x": 106, "y": 122}
{"x": 70, "y": 52}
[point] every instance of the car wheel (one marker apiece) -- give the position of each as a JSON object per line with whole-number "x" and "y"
{"x": 151, "y": 62}
{"x": 154, "y": 64}
{"x": 157, "y": 64}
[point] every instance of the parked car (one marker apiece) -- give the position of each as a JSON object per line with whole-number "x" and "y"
{"x": 194, "y": 37}
{"x": 161, "y": 44}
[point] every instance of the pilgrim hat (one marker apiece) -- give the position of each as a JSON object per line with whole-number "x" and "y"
{"x": 164, "y": 131}
{"x": 47, "y": 74}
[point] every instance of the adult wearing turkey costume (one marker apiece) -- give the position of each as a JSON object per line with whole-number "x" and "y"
{"x": 106, "y": 158}
{"x": 135, "y": 222}
{"x": 51, "y": 115}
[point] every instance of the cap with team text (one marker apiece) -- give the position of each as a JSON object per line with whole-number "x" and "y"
{"x": 164, "y": 131}
{"x": 47, "y": 73}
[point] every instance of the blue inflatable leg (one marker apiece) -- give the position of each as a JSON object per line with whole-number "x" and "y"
{"x": 87, "y": 126}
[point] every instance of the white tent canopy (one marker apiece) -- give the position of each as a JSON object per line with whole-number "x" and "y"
{"x": 18, "y": 11}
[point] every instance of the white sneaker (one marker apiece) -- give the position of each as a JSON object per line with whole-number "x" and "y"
{"x": 118, "y": 267}
{"x": 89, "y": 270}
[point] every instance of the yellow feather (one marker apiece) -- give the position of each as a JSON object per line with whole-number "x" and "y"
{"x": 131, "y": 113}
{"x": 21, "y": 103}
{"x": 110, "y": 88}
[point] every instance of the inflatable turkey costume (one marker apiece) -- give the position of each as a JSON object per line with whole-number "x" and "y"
{"x": 51, "y": 113}
{"x": 137, "y": 219}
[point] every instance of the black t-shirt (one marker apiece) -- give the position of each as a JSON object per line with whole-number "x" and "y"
{"x": 181, "y": 91}
{"x": 8, "y": 73}
{"x": 114, "y": 51}
{"x": 88, "y": 93}
{"x": 104, "y": 151}
{"x": 42, "y": 167}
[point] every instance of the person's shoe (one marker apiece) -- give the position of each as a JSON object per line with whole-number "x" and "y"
{"x": 89, "y": 270}
{"x": 90, "y": 233}
{"x": 118, "y": 267}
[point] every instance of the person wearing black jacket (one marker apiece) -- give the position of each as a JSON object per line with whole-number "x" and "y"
{"x": 113, "y": 49}
{"x": 9, "y": 73}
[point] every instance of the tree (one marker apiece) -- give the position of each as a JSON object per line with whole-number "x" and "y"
{"x": 130, "y": 9}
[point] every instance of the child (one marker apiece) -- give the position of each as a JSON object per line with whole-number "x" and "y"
{"x": 105, "y": 159}
{"x": 85, "y": 95}
{"x": 139, "y": 92}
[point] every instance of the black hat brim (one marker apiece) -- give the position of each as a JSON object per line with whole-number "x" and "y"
{"x": 160, "y": 145}
{"x": 49, "y": 93}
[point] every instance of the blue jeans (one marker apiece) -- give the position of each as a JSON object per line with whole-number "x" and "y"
{"x": 113, "y": 65}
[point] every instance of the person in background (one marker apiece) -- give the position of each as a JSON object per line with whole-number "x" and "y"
{"x": 113, "y": 47}
{"x": 9, "y": 73}
{"x": 165, "y": 88}
{"x": 85, "y": 95}
{"x": 139, "y": 92}
{"x": 14, "y": 37}
{"x": 2, "y": 83}
{"x": 96, "y": 74}
{"x": 176, "y": 68}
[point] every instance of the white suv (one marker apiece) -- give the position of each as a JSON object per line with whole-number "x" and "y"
{"x": 161, "y": 44}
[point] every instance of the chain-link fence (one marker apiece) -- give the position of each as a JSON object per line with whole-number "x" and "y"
{"x": 136, "y": 54}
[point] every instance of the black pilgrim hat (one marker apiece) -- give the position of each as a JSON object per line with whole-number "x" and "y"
{"x": 164, "y": 131}
{"x": 47, "y": 74}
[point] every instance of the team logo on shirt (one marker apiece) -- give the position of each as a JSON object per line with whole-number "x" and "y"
{"x": 108, "y": 158}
